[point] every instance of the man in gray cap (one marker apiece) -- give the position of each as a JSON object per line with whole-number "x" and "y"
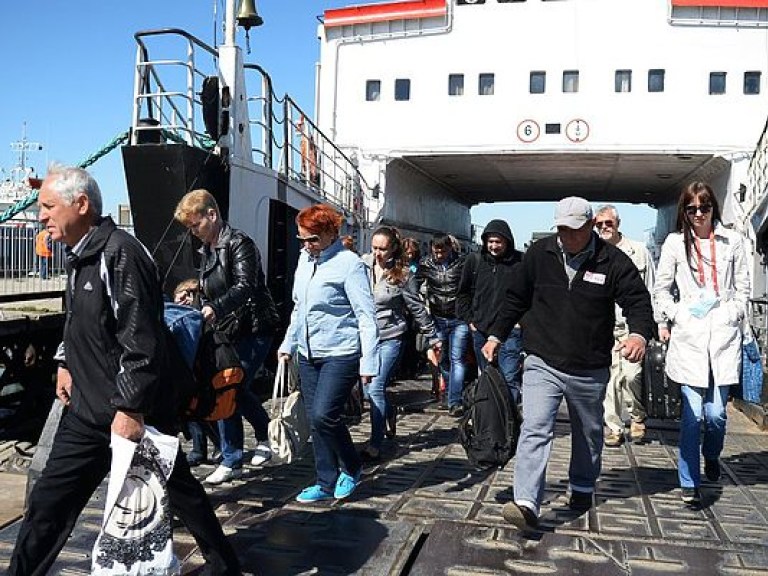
{"x": 567, "y": 289}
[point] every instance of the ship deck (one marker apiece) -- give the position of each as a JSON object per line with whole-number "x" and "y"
{"x": 425, "y": 511}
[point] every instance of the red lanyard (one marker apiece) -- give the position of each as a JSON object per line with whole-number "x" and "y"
{"x": 700, "y": 262}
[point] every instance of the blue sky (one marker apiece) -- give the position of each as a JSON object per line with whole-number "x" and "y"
{"x": 67, "y": 68}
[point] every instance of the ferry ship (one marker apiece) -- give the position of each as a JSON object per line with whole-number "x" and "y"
{"x": 18, "y": 184}
{"x": 428, "y": 107}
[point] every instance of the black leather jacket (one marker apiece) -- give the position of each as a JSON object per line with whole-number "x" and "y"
{"x": 442, "y": 283}
{"x": 232, "y": 281}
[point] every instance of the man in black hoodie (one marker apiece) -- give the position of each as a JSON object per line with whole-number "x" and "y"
{"x": 482, "y": 283}
{"x": 113, "y": 375}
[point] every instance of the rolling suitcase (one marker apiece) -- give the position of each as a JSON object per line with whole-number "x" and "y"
{"x": 662, "y": 396}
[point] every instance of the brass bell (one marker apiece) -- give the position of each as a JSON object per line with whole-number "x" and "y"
{"x": 247, "y": 15}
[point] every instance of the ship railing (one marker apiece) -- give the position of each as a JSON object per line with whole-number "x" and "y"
{"x": 757, "y": 174}
{"x": 167, "y": 105}
{"x": 157, "y": 105}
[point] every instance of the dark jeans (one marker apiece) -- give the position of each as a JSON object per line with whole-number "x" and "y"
{"x": 79, "y": 461}
{"x": 200, "y": 432}
{"x": 326, "y": 384}
{"x": 509, "y": 358}
{"x": 252, "y": 350}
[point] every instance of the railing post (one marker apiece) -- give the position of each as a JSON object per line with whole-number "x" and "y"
{"x": 266, "y": 90}
{"x": 136, "y": 96}
{"x": 190, "y": 93}
{"x": 287, "y": 141}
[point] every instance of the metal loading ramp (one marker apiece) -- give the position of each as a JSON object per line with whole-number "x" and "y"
{"x": 424, "y": 511}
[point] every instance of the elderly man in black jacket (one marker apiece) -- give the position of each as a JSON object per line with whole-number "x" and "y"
{"x": 482, "y": 282}
{"x": 113, "y": 378}
{"x": 567, "y": 289}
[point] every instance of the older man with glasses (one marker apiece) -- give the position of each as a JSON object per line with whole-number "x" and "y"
{"x": 625, "y": 387}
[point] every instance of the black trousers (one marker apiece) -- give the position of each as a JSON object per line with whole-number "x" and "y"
{"x": 80, "y": 459}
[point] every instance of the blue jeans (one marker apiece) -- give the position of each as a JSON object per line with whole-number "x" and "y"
{"x": 252, "y": 350}
{"x": 326, "y": 383}
{"x": 510, "y": 360}
{"x": 455, "y": 336}
{"x": 697, "y": 402}
{"x": 389, "y": 352}
{"x": 544, "y": 388}
{"x": 44, "y": 261}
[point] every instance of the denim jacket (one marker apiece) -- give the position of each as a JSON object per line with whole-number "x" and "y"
{"x": 333, "y": 310}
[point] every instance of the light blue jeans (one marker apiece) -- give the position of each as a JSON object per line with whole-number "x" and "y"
{"x": 708, "y": 403}
{"x": 455, "y": 336}
{"x": 544, "y": 388}
{"x": 509, "y": 358}
{"x": 389, "y": 352}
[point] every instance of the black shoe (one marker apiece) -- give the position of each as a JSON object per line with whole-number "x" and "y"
{"x": 195, "y": 459}
{"x": 712, "y": 470}
{"x": 442, "y": 405}
{"x": 580, "y": 501}
{"x": 521, "y": 517}
{"x": 691, "y": 496}
{"x": 391, "y": 429}
{"x": 369, "y": 454}
{"x": 457, "y": 411}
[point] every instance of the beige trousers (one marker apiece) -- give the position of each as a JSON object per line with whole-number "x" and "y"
{"x": 625, "y": 389}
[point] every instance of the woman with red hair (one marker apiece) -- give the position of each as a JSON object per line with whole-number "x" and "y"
{"x": 334, "y": 336}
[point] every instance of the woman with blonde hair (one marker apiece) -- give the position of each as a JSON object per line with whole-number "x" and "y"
{"x": 334, "y": 338}
{"x": 235, "y": 299}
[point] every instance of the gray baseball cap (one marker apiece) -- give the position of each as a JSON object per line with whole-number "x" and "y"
{"x": 573, "y": 212}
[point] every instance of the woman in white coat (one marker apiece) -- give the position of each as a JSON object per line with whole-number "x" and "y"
{"x": 708, "y": 264}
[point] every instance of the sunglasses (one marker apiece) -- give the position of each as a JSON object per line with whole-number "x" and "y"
{"x": 311, "y": 239}
{"x": 703, "y": 208}
{"x": 605, "y": 224}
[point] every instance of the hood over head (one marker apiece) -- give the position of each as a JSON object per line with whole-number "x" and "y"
{"x": 499, "y": 228}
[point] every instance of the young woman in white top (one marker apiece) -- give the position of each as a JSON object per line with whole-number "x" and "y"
{"x": 708, "y": 264}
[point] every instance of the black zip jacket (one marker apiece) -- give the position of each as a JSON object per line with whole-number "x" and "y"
{"x": 232, "y": 280}
{"x": 571, "y": 327}
{"x": 442, "y": 283}
{"x": 114, "y": 338}
{"x": 483, "y": 281}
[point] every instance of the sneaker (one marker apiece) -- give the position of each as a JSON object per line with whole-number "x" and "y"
{"x": 223, "y": 474}
{"x": 261, "y": 454}
{"x": 712, "y": 470}
{"x": 313, "y": 494}
{"x": 580, "y": 501}
{"x": 521, "y": 517}
{"x": 637, "y": 431}
{"x": 614, "y": 439}
{"x": 345, "y": 485}
{"x": 691, "y": 496}
{"x": 457, "y": 411}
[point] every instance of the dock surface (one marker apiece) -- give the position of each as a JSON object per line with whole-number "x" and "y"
{"x": 425, "y": 511}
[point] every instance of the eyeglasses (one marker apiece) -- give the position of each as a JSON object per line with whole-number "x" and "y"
{"x": 703, "y": 208}
{"x": 605, "y": 224}
{"x": 311, "y": 239}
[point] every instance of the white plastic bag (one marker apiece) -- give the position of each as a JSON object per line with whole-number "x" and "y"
{"x": 136, "y": 536}
{"x": 288, "y": 430}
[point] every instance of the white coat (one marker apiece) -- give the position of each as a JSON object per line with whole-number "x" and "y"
{"x": 698, "y": 345}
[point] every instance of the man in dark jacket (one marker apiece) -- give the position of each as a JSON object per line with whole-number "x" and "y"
{"x": 484, "y": 277}
{"x": 114, "y": 376}
{"x": 441, "y": 272}
{"x": 568, "y": 287}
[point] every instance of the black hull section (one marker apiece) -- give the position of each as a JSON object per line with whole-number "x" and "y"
{"x": 157, "y": 176}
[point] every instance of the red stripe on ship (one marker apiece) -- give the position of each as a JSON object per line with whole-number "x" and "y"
{"x": 408, "y": 10}
{"x": 723, "y": 3}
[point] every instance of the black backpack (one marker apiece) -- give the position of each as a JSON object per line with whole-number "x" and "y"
{"x": 490, "y": 427}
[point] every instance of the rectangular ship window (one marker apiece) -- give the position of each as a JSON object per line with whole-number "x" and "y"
{"x": 752, "y": 82}
{"x": 538, "y": 82}
{"x": 570, "y": 81}
{"x": 623, "y": 81}
{"x": 552, "y": 128}
{"x": 656, "y": 80}
{"x": 485, "y": 84}
{"x": 372, "y": 90}
{"x": 456, "y": 84}
{"x": 402, "y": 89}
{"x": 717, "y": 83}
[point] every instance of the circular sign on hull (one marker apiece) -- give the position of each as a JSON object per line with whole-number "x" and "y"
{"x": 577, "y": 130}
{"x": 528, "y": 131}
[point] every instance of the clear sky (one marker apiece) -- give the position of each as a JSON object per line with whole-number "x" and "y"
{"x": 67, "y": 71}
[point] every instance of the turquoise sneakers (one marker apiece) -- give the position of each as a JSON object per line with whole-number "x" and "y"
{"x": 346, "y": 484}
{"x": 313, "y": 494}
